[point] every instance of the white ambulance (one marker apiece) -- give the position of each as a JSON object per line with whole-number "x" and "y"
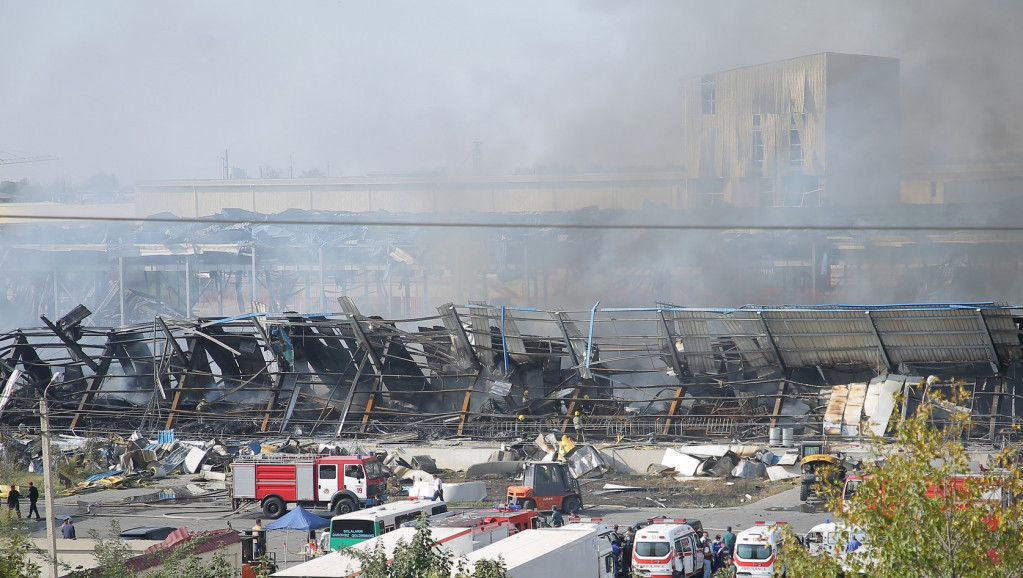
{"x": 756, "y": 550}
{"x": 667, "y": 550}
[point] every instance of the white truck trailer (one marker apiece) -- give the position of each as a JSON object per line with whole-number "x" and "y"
{"x": 456, "y": 541}
{"x": 573, "y": 551}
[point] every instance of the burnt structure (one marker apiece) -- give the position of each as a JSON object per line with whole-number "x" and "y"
{"x": 816, "y": 130}
{"x": 473, "y": 370}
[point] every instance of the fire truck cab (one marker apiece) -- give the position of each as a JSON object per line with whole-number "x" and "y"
{"x": 339, "y": 483}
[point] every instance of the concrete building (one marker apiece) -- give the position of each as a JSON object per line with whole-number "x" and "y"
{"x": 815, "y": 130}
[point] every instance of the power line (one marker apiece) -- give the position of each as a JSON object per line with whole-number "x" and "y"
{"x": 892, "y": 228}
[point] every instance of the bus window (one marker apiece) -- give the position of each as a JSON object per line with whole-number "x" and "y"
{"x": 357, "y": 530}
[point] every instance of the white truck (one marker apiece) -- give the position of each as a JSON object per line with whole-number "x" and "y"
{"x": 573, "y": 551}
{"x": 455, "y": 541}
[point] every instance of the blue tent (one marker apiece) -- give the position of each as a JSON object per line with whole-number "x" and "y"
{"x": 298, "y": 519}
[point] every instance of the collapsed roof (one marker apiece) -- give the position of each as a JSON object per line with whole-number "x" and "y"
{"x": 473, "y": 370}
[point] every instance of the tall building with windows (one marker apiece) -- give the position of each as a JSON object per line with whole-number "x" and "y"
{"x": 817, "y": 130}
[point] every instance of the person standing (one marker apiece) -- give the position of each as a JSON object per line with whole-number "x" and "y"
{"x": 716, "y": 548}
{"x": 68, "y": 530}
{"x": 258, "y": 531}
{"x": 14, "y": 500}
{"x": 627, "y": 553}
{"x": 708, "y": 557}
{"x": 557, "y": 520}
{"x": 729, "y": 541}
{"x": 577, "y": 423}
{"x": 438, "y": 488}
{"x": 33, "y": 497}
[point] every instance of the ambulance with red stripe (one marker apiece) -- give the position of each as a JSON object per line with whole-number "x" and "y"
{"x": 756, "y": 550}
{"x": 667, "y": 549}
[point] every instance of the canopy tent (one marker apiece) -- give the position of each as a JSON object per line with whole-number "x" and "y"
{"x": 297, "y": 519}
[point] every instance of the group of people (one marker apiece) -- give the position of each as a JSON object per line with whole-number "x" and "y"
{"x": 14, "y": 501}
{"x": 622, "y": 549}
{"x": 67, "y": 530}
{"x": 717, "y": 553}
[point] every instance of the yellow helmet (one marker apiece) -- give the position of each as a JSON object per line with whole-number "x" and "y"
{"x": 521, "y": 417}
{"x": 576, "y": 413}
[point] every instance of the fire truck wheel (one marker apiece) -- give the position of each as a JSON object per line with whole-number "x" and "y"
{"x": 571, "y": 505}
{"x": 528, "y": 505}
{"x": 273, "y": 508}
{"x": 343, "y": 506}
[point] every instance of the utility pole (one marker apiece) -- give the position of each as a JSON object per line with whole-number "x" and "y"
{"x": 44, "y": 426}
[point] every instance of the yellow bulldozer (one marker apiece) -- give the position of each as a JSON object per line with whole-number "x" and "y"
{"x": 819, "y": 468}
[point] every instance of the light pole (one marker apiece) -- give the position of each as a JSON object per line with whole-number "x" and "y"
{"x": 44, "y": 426}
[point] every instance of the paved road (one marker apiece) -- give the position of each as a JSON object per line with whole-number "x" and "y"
{"x": 149, "y": 507}
{"x": 782, "y": 507}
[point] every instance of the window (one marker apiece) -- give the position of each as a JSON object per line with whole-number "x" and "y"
{"x": 753, "y": 551}
{"x": 353, "y": 471}
{"x": 439, "y": 509}
{"x": 687, "y": 547}
{"x": 708, "y": 94}
{"x": 360, "y": 529}
{"x": 796, "y": 122}
{"x": 328, "y": 472}
{"x": 652, "y": 549}
{"x": 376, "y": 470}
{"x": 795, "y": 150}
{"x": 758, "y": 143}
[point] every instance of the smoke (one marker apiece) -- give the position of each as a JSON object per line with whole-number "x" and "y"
{"x": 147, "y": 91}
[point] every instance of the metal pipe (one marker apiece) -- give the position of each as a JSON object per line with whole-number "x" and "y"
{"x": 589, "y": 340}
{"x": 44, "y": 426}
{"x": 504, "y": 342}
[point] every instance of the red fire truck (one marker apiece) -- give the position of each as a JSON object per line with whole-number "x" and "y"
{"x": 340, "y": 483}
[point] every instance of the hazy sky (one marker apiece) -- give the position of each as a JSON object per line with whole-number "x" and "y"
{"x": 158, "y": 90}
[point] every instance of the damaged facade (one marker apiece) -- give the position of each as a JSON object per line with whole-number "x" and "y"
{"x": 493, "y": 372}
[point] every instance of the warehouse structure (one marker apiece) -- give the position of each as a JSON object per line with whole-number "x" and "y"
{"x": 154, "y": 321}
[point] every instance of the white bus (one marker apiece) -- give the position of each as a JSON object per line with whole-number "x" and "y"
{"x": 360, "y": 525}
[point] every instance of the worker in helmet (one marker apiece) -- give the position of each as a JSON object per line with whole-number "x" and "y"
{"x": 577, "y": 423}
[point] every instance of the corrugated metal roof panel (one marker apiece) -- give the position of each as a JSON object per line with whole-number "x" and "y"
{"x": 697, "y": 344}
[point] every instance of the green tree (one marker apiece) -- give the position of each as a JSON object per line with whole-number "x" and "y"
{"x": 485, "y": 569}
{"x": 113, "y": 554}
{"x": 14, "y": 548}
{"x": 924, "y": 513}
{"x": 419, "y": 559}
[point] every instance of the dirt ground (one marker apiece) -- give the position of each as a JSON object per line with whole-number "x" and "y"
{"x": 657, "y": 491}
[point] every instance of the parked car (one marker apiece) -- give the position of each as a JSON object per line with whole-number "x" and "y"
{"x": 147, "y": 533}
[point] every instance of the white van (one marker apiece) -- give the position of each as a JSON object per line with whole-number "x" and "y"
{"x": 756, "y": 550}
{"x": 667, "y": 551}
{"x": 831, "y": 538}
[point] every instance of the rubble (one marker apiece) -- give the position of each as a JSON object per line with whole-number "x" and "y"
{"x": 469, "y": 371}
